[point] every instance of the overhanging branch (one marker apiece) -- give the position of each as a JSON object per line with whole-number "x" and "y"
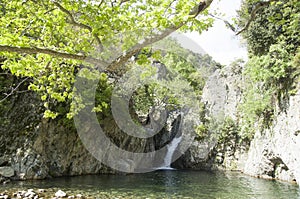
{"x": 13, "y": 90}
{"x": 256, "y": 8}
{"x": 28, "y": 50}
{"x": 113, "y": 67}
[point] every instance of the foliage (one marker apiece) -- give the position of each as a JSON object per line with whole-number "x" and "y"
{"x": 202, "y": 132}
{"x": 218, "y": 129}
{"x": 177, "y": 61}
{"x": 272, "y": 70}
{"x": 227, "y": 128}
{"x": 71, "y": 31}
{"x": 257, "y": 106}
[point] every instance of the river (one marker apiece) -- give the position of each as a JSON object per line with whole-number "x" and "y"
{"x": 167, "y": 184}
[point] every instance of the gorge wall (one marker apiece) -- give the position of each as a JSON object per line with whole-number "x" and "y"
{"x": 33, "y": 147}
{"x": 272, "y": 154}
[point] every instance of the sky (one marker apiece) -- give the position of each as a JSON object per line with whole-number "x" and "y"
{"x": 220, "y": 42}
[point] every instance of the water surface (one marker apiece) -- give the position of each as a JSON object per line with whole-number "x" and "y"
{"x": 168, "y": 184}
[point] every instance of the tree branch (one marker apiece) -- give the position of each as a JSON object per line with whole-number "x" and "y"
{"x": 227, "y": 23}
{"x": 254, "y": 11}
{"x": 100, "y": 4}
{"x": 81, "y": 25}
{"x": 27, "y": 50}
{"x": 156, "y": 37}
{"x": 14, "y": 89}
{"x": 115, "y": 66}
{"x": 200, "y": 7}
{"x": 123, "y": 1}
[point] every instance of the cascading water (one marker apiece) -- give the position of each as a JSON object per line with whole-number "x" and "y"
{"x": 175, "y": 137}
{"x": 171, "y": 149}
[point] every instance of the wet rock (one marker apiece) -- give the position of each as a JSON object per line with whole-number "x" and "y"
{"x": 41, "y": 190}
{"x": 29, "y": 165}
{"x": 60, "y": 194}
{"x": 50, "y": 148}
{"x": 79, "y": 196}
{"x": 4, "y": 195}
{"x": 6, "y": 181}
{"x": 3, "y": 162}
{"x": 30, "y": 193}
{"x": 7, "y": 172}
{"x": 219, "y": 159}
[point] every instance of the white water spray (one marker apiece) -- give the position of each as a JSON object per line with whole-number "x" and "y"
{"x": 171, "y": 149}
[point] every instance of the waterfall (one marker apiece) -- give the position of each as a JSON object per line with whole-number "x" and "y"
{"x": 171, "y": 149}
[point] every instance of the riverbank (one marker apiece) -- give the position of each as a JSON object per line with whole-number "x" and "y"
{"x": 56, "y": 194}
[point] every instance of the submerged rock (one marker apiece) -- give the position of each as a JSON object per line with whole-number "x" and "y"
{"x": 7, "y": 172}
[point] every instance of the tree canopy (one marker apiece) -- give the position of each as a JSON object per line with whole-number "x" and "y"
{"x": 49, "y": 40}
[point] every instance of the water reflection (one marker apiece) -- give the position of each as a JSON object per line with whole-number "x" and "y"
{"x": 171, "y": 184}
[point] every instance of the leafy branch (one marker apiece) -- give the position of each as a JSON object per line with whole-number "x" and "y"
{"x": 113, "y": 67}
{"x": 81, "y": 25}
{"x": 36, "y": 50}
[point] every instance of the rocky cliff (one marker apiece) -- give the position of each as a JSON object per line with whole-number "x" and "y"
{"x": 32, "y": 147}
{"x": 273, "y": 153}
{"x": 35, "y": 148}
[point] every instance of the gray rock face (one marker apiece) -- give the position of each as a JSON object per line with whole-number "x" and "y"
{"x": 7, "y": 172}
{"x": 275, "y": 152}
{"x": 222, "y": 93}
{"x": 28, "y": 164}
{"x": 3, "y": 161}
{"x": 221, "y": 96}
{"x": 35, "y": 148}
{"x": 62, "y": 151}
